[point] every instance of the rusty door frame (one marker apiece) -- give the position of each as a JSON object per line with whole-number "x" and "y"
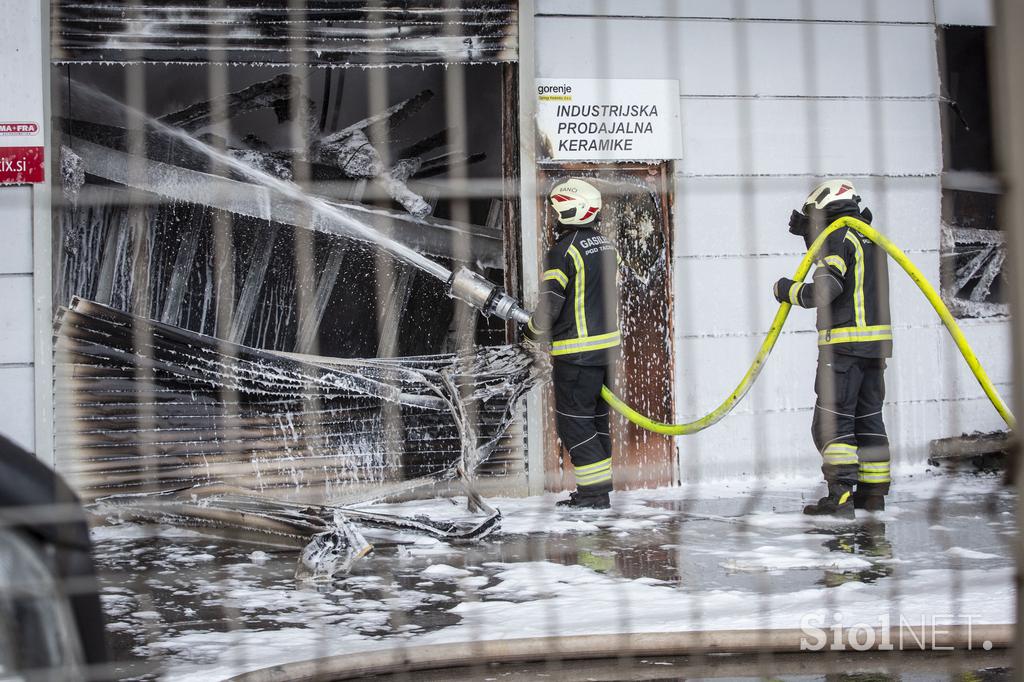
{"x": 556, "y": 475}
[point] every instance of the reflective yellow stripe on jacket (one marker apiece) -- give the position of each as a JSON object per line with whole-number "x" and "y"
{"x": 581, "y": 290}
{"x": 794, "y": 292}
{"x": 599, "y": 342}
{"x": 859, "y": 315}
{"x": 879, "y": 332}
{"x": 557, "y": 276}
{"x": 836, "y": 262}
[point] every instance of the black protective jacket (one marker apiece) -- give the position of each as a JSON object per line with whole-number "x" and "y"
{"x": 579, "y": 299}
{"x": 850, "y": 289}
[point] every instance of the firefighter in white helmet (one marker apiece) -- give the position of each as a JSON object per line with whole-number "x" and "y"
{"x": 578, "y": 313}
{"x": 850, "y": 290}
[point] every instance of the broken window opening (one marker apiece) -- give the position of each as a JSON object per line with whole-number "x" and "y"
{"x": 230, "y": 198}
{"x": 411, "y": 199}
{"x": 973, "y": 245}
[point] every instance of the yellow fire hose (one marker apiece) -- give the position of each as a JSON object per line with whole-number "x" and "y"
{"x": 750, "y": 377}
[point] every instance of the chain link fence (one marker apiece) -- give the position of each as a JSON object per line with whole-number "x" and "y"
{"x": 284, "y": 451}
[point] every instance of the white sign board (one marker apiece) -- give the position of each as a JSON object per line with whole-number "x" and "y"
{"x": 608, "y": 119}
{"x": 21, "y": 106}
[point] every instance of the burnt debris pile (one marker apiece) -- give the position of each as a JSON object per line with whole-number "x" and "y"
{"x": 143, "y": 406}
{"x": 169, "y": 424}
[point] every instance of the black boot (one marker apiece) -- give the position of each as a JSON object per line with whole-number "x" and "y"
{"x": 838, "y": 503}
{"x": 870, "y": 497}
{"x": 586, "y": 500}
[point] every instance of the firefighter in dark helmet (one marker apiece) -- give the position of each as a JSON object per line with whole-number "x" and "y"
{"x": 578, "y": 313}
{"x": 850, "y": 290}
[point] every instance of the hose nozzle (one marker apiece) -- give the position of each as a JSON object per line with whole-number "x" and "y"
{"x": 485, "y": 296}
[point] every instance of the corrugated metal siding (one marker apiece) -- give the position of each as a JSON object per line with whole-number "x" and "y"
{"x": 143, "y": 406}
{"x": 331, "y": 32}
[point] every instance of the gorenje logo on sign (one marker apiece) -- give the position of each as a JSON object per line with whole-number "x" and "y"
{"x": 558, "y": 93}
{"x": 19, "y": 128}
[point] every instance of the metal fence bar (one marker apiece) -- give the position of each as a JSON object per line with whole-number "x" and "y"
{"x": 1009, "y": 88}
{"x": 265, "y": 403}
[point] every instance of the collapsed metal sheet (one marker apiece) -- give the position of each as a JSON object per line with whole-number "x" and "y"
{"x": 160, "y": 422}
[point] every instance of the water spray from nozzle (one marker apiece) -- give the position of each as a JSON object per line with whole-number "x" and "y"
{"x": 485, "y": 296}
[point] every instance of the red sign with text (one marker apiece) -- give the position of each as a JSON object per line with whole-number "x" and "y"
{"x": 19, "y": 128}
{"x": 22, "y": 116}
{"x": 19, "y": 165}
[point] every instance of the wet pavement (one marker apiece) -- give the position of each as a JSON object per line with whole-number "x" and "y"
{"x": 181, "y": 605}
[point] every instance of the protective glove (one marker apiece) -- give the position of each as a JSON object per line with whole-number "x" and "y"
{"x": 528, "y": 343}
{"x": 781, "y": 289}
{"x": 531, "y": 346}
{"x": 798, "y": 223}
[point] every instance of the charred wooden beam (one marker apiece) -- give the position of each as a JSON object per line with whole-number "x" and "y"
{"x": 427, "y": 144}
{"x": 431, "y": 237}
{"x": 311, "y": 316}
{"x": 183, "y": 262}
{"x": 113, "y": 247}
{"x": 392, "y": 312}
{"x": 256, "y": 274}
{"x": 342, "y": 33}
{"x": 274, "y": 94}
{"x": 441, "y": 164}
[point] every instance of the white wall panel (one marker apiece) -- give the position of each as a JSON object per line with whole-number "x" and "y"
{"x": 772, "y": 137}
{"x": 732, "y": 296}
{"x": 17, "y": 406}
{"x": 907, "y": 303}
{"x": 964, "y": 12}
{"x": 783, "y": 440}
{"x": 730, "y": 215}
{"x": 991, "y": 342}
{"x": 16, "y": 320}
{"x": 740, "y": 290}
{"x": 926, "y": 365}
{"x": 725, "y": 58}
{"x": 710, "y": 368}
{"x": 826, "y": 10}
{"x": 16, "y": 223}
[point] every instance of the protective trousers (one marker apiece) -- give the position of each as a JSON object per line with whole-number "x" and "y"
{"x": 847, "y": 426}
{"x": 581, "y": 417}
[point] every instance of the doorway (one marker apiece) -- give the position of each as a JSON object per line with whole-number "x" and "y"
{"x": 637, "y": 217}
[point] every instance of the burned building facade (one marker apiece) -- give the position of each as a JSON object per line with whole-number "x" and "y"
{"x": 275, "y": 176}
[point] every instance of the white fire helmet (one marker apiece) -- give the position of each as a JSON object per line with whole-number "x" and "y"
{"x": 576, "y": 202}
{"x": 828, "y": 192}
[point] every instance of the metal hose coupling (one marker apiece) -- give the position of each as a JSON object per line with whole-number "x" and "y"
{"x": 485, "y": 296}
